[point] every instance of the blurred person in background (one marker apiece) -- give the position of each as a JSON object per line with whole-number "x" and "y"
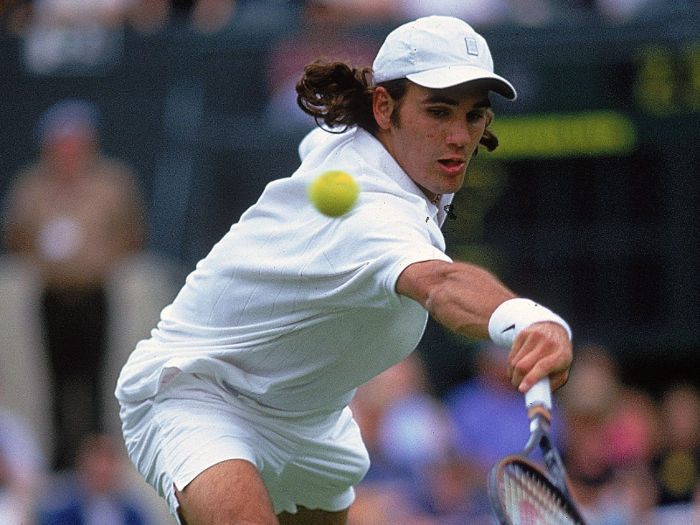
{"x": 205, "y": 16}
{"x": 94, "y": 492}
{"x": 15, "y": 16}
{"x": 677, "y": 464}
{"x": 482, "y": 13}
{"x": 388, "y": 492}
{"x": 415, "y": 473}
{"x": 74, "y": 36}
{"x": 326, "y": 31}
{"x": 611, "y": 437}
{"x": 22, "y": 470}
{"x": 618, "y": 11}
{"x": 489, "y": 396}
{"x": 355, "y": 12}
{"x": 73, "y": 217}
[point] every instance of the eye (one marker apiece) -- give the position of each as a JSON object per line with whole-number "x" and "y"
{"x": 438, "y": 112}
{"x": 474, "y": 117}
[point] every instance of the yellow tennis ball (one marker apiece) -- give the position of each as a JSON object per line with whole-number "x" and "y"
{"x": 334, "y": 193}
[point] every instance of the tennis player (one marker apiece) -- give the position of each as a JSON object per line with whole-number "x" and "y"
{"x": 236, "y": 409}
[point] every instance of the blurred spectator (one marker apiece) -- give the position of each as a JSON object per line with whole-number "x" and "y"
{"x": 373, "y": 405}
{"x": 67, "y": 13}
{"x": 416, "y": 477}
{"x": 633, "y": 432}
{"x": 355, "y": 12}
{"x": 481, "y": 13}
{"x": 621, "y": 10}
{"x": 73, "y": 217}
{"x": 74, "y": 36}
{"x": 15, "y": 16}
{"x": 383, "y": 504}
{"x": 22, "y": 470}
{"x": 611, "y": 438}
{"x": 94, "y": 493}
{"x": 589, "y": 400}
{"x": 677, "y": 466}
{"x": 326, "y": 32}
{"x": 203, "y": 16}
{"x": 615, "y": 11}
{"x": 490, "y": 396}
{"x": 478, "y": 13}
{"x": 149, "y": 16}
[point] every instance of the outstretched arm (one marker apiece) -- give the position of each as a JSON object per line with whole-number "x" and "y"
{"x": 463, "y": 298}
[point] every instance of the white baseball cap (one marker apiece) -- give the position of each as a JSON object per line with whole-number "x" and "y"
{"x": 438, "y": 52}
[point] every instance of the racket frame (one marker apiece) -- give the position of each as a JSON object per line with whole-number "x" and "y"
{"x": 497, "y": 495}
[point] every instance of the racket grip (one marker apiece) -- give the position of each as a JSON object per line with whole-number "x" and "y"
{"x": 539, "y": 398}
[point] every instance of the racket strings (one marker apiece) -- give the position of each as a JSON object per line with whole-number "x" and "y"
{"x": 530, "y": 500}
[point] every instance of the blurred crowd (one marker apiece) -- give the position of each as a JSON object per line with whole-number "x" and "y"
{"x": 78, "y": 288}
{"x": 211, "y": 16}
{"x": 631, "y": 458}
{"x": 73, "y": 37}
{"x": 91, "y": 31}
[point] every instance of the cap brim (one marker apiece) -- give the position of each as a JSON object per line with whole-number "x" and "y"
{"x": 446, "y": 77}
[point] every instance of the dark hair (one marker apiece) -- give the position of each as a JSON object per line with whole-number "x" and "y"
{"x": 339, "y": 96}
{"x": 65, "y": 117}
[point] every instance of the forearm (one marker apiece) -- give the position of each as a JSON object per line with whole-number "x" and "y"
{"x": 464, "y": 298}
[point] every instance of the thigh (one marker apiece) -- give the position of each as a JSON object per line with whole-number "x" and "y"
{"x": 305, "y": 516}
{"x": 229, "y": 492}
{"x": 185, "y": 431}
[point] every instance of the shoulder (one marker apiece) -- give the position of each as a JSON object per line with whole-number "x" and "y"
{"x": 29, "y": 176}
{"x": 114, "y": 180}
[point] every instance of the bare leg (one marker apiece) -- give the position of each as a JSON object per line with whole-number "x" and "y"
{"x": 305, "y": 516}
{"x": 229, "y": 493}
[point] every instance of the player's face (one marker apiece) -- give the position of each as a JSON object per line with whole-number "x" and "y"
{"x": 435, "y": 133}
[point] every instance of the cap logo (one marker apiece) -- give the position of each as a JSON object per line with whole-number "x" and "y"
{"x": 472, "y": 46}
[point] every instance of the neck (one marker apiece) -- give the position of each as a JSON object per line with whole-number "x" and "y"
{"x": 433, "y": 198}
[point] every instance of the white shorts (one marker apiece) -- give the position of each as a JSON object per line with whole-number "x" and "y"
{"x": 194, "y": 423}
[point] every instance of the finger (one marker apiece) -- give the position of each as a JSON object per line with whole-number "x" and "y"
{"x": 559, "y": 379}
{"x": 538, "y": 352}
{"x": 544, "y": 367}
{"x": 531, "y": 345}
{"x": 528, "y": 349}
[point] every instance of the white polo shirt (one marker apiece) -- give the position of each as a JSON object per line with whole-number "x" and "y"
{"x": 295, "y": 310}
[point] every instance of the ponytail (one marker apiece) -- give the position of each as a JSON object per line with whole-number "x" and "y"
{"x": 337, "y": 95}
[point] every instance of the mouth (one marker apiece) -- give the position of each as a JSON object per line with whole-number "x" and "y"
{"x": 452, "y": 165}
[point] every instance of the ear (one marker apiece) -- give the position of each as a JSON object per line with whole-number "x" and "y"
{"x": 383, "y": 106}
{"x": 489, "y": 118}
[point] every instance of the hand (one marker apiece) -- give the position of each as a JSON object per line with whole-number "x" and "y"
{"x": 542, "y": 349}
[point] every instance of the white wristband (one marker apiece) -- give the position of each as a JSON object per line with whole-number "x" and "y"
{"x": 514, "y": 315}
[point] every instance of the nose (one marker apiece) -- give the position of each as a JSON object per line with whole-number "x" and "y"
{"x": 458, "y": 134}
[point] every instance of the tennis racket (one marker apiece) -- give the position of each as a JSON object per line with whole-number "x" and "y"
{"x": 521, "y": 491}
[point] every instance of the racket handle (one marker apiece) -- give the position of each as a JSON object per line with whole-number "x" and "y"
{"x": 539, "y": 399}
